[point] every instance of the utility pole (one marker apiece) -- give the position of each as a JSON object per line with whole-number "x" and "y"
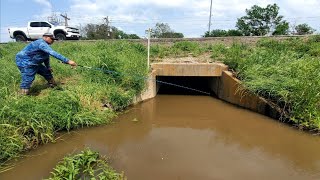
{"x": 106, "y": 19}
{"x": 65, "y": 19}
{"x": 53, "y": 19}
{"x": 149, "y": 35}
{"x": 106, "y": 22}
{"x": 210, "y": 17}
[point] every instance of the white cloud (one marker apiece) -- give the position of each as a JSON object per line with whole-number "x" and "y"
{"x": 47, "y": 9}
{"x": 45, "y": 3}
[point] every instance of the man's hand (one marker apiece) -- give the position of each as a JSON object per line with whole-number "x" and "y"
{"x": 72, "y": 63}
{"x": 51, "y": 70}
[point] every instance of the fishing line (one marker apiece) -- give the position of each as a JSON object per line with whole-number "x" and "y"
{"x": 145, "y": 78}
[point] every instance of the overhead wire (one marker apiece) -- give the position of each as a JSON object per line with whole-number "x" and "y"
{"x": 143, "y": 78}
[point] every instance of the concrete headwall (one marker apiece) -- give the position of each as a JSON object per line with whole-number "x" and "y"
{"x": 223, "y": 84}
{"x": 229, "y": 89}
{"x": 150, "y": 90}
{"x": 189, "y": 69}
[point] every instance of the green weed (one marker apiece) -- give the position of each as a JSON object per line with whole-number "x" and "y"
{"x": 85, "y": 165}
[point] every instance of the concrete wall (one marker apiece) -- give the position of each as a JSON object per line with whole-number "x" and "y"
{"x": 229, "y": 89}
{"x": 150, "y": 90}
{"x": 189, "y": 69}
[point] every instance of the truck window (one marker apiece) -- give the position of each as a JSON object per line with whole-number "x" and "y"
{"x": 35, "y": 24}
{"x": 45, "y": 24}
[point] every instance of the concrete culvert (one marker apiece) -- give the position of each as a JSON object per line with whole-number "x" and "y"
{"x": 184, "y": 85}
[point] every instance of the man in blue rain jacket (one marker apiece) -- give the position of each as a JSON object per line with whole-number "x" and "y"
{"x": 34, "y": 59}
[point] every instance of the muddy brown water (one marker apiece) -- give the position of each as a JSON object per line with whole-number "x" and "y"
{"x": 187, "y": 137}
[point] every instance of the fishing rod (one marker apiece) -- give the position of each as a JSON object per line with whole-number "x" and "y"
{"x": 145, "y": 78}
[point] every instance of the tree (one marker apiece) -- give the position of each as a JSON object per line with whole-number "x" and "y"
{"x": 234, "y": 32}
{"x": 303, "y": 29}
{"x": 102, "y": 31}
{"x": 133, "y": 36}
{"x": 261, "y": 21}
{"x": 222, "y": 33}
{"x": 282, "y": 29}
{"x": 171, "y": 35}
{"x": 163, "y": 30}
{"x": 118, "y": 34}
{"x": 216, "y": 33}
{"x": 96, "y": 31}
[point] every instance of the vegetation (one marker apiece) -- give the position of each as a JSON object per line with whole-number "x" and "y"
{"x": 303, "y": 29}
{"x": 85, "y": 165}
{"x": 285, "y": 72}
{"x": 80, "y": 100}
{"x": 163, "y": 30}
{"x": 222, "y": 33}
{"x": 103, "y": 31}
{"x": 259, "y": 21}
{"x": 179, "y": 49}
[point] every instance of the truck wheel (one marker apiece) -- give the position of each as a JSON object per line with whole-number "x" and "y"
{"x": 20, "y": 38}
{"x": 61, "y": 37}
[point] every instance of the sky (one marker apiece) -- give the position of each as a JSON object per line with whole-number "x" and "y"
{"x": 190, "y": 17}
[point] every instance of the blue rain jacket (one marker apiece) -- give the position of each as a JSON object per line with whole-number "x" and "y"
{"x": 37, "y": 53}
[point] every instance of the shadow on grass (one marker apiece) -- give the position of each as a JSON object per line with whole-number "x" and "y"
{"x": 36, "y": 89}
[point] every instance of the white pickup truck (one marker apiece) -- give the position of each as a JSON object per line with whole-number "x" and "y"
{"x": 36, "y": 29}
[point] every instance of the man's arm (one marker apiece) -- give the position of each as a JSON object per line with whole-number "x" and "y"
{"x": 46, "y": 48}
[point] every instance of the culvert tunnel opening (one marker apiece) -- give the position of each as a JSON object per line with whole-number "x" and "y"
{"x": 185, "y": 85}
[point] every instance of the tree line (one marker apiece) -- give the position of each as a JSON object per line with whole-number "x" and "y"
{"x": 103, "y": 31}
{"x": 258, "y": 21}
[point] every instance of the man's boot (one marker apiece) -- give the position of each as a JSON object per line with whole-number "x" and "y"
{"x": 24, "y": 92}
{"x": 52, "y": 83}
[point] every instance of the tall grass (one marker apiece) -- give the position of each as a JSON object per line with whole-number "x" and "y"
{"x": 26, "y": 122}
{"x": 179, "y": 49}
{"x": 286, "y": 72}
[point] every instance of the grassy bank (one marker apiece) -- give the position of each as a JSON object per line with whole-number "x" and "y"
{"x": 80, "y": 100}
